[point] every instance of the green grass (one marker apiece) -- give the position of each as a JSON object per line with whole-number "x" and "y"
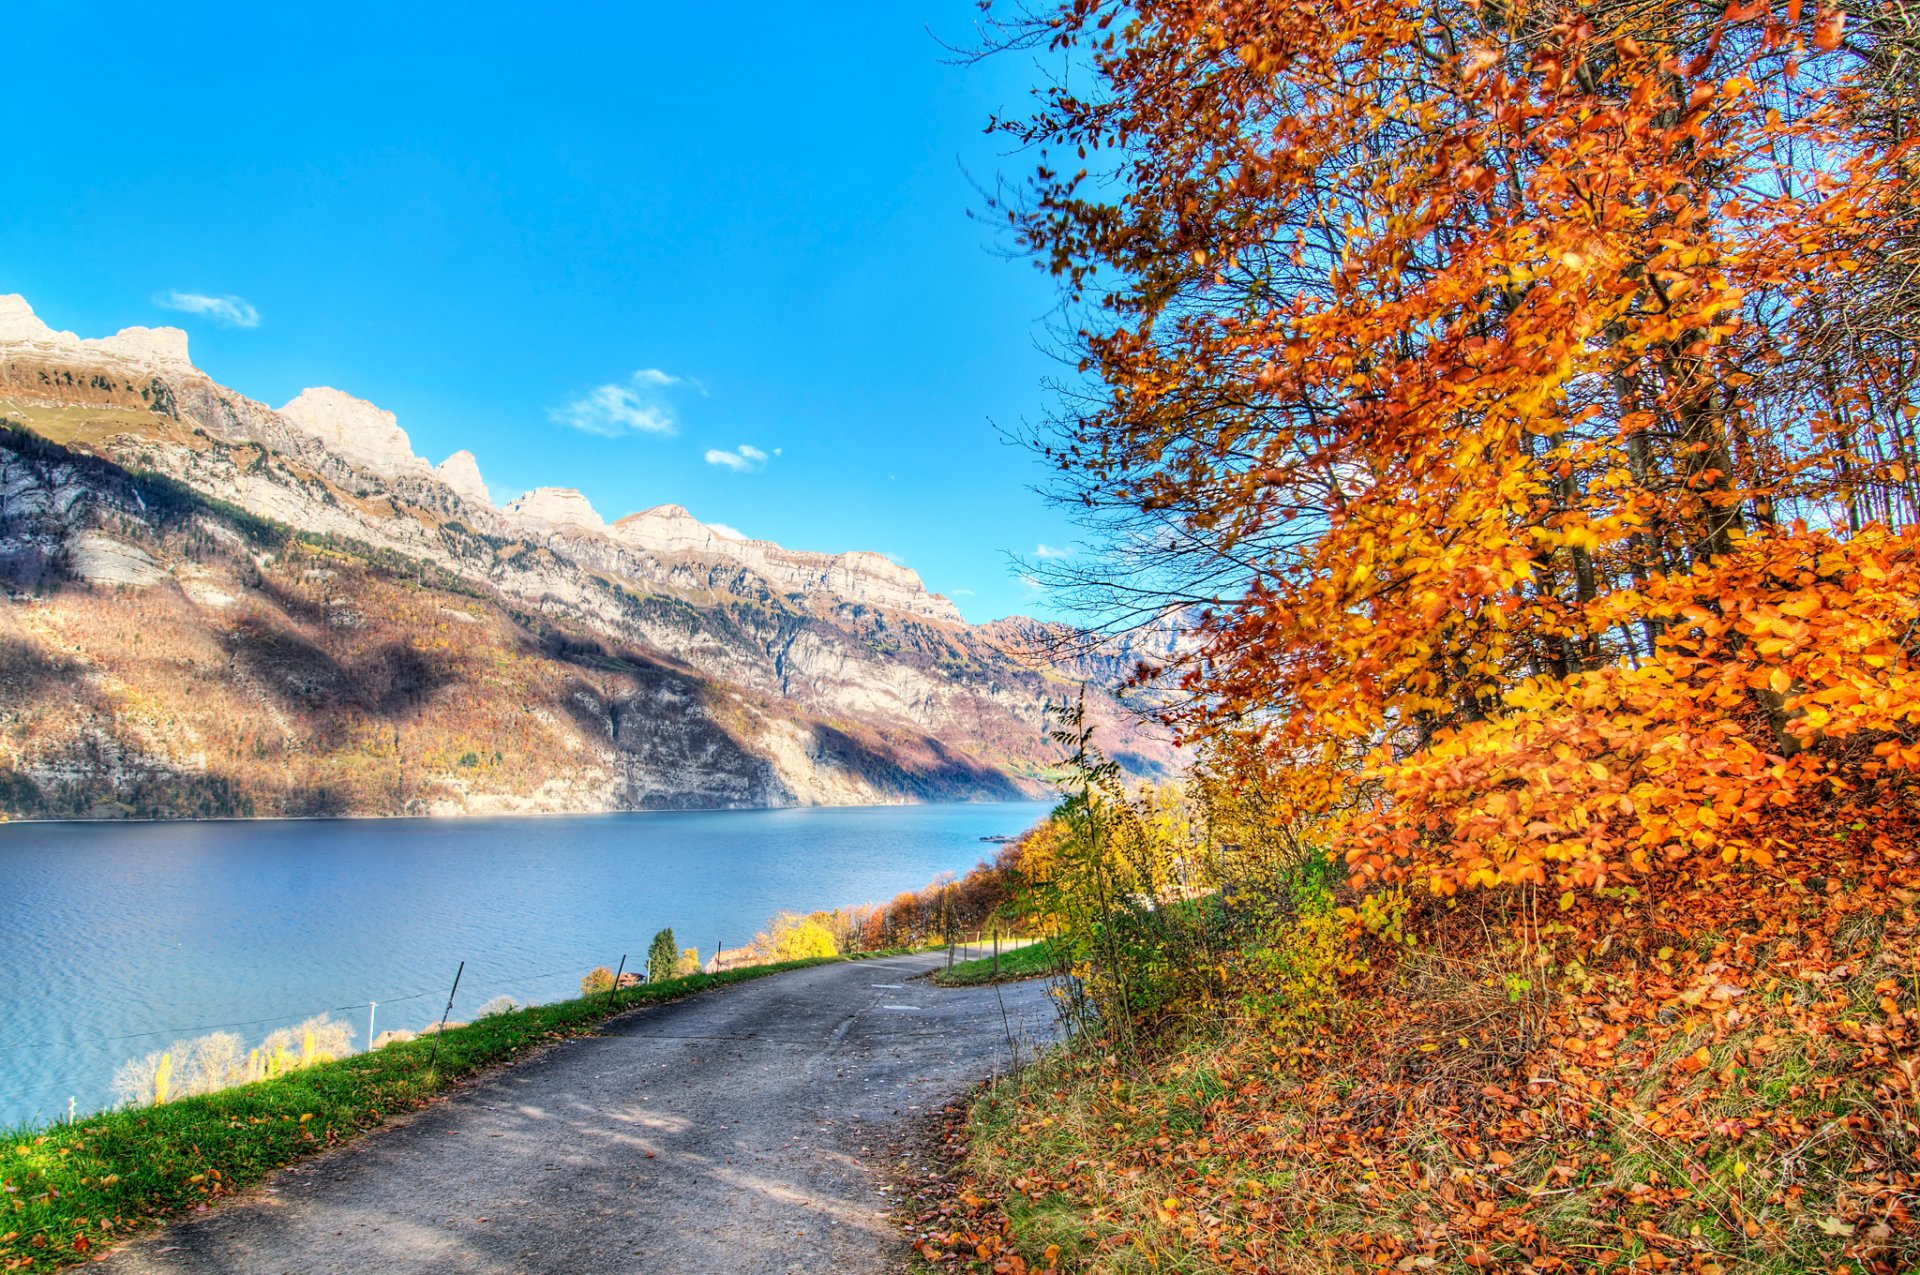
{"x": 1034, "y": 960}
{"x": 69, "y": 1191}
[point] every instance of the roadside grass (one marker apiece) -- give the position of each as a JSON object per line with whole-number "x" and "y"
{"x": 879, "y": 952}
{"x": 68, "y": 1192}
{"x": 1032, "y": 960}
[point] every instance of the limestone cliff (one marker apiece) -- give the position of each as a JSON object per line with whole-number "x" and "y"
{"x": 144, "y": 349}
{"x": 354, "y": 430}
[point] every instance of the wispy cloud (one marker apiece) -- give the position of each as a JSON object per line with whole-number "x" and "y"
{"x": 228, "y": 311}
{"x": 620, "y": 408}
{"x": 743, "y": 459}
{"x": 725, "y": 532}
{"x": 1048, "y": 551}
{"x": 960, "y": 593}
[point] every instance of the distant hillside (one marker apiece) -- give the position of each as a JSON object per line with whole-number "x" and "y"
{"x": 215, "y": 608}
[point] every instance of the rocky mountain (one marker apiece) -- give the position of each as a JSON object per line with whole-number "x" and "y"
{"x": 215, "y": 607}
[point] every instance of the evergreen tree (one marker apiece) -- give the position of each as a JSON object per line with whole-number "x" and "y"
{"x": 662, "y": 955}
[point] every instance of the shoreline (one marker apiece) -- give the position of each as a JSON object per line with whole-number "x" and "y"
{"x": 12, "y": 821}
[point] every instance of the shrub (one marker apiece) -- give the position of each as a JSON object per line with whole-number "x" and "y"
{"x": 220, "y": 1060}
{"x": 792, "y": 937}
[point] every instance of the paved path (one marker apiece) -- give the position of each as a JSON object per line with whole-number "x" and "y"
{"x": 743, "y": 1130}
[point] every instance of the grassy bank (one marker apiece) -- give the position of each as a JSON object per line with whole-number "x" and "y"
{"x": 1031, "y": 960}
{"x": 69, "y": 1191}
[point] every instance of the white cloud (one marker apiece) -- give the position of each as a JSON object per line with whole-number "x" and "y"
{"x": 741, "y": 460}
{"x": 960, "y": 593}
{"x": 616, "y": 409}
{"x": 228, "y": 311}
{"x": 725, "y": 532}
{"x": 1048, "y": 551}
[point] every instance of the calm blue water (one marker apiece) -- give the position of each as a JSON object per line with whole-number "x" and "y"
{"x": 117, "y": 939}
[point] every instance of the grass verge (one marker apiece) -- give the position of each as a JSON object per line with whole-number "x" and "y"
{"x": 70, "y": 1191}
{"x": 1035, "y": 960}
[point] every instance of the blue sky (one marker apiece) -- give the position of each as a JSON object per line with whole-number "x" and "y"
{"x": 592, "y": 250}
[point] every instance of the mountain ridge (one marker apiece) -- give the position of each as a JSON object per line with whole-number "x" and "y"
{"x": 674, "y": 663}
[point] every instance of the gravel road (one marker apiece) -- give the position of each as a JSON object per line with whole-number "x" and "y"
{"x": 751, "y": 1129}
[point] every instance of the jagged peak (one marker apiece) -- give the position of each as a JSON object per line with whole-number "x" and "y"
{"x": 353, "y": 429}
{"x": 18, "y": 322}
{"x": 147, "y": 347}
{"x": 562, "y": 508}
{"x": 461, "y": 472}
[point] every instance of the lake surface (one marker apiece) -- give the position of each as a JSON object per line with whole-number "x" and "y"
{"x": 118, "y": 939}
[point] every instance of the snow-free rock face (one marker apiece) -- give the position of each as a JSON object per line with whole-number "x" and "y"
{"x": 156, "y": 347}
{"x": 354, "y": 430}
{"x": 136, "y": 347}
{"x": 561, "y": 508}
{"x": 461, "y": 472}
{"x": 19, "y": 324}
{"x": 103, "y": 559}
{"x": 667, "y": 529}
{"x": 869, "y": 579}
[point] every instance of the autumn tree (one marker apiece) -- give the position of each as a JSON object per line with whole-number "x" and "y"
{"x": 1494, "y": 382}
{"x": 790, "y": 936}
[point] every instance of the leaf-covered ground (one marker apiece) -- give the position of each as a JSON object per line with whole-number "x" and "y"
{"x": 1726, "y": 1084}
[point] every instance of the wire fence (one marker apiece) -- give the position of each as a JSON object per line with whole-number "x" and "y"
{"x": 551, "y": 983}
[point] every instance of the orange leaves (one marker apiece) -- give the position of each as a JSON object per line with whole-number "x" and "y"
{"x": 1626, "y": 770}
{"x": 1829, "y": 26}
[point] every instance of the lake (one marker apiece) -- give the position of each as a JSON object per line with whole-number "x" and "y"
{"x": 118, "y": 939}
